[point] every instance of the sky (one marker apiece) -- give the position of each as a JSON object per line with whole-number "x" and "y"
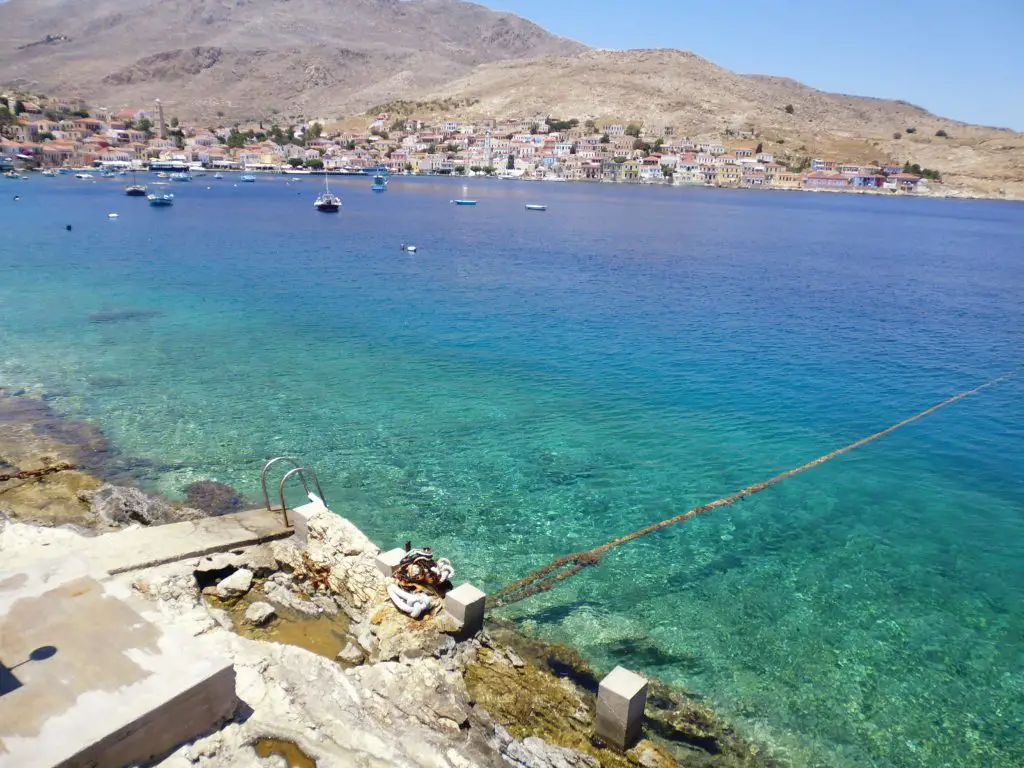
{"x": 962, "y": 60}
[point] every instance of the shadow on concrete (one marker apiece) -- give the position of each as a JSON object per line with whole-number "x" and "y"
{"x": 8, "y": 681}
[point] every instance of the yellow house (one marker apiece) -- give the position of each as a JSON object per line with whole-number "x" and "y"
{"x": 786, "y": 180}
{"x": 631, "y": 170}
{"x": 728, "y": 175}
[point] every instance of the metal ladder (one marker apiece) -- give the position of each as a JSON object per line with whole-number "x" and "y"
{"x": 297, "y": 469}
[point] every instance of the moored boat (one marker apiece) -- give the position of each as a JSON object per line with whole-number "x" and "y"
{"x": 218, "y": 175}
{"x": 327, "y": 202}
{"x": 161, "y": 200}
{"x": 181, "y": 176}
{"x": 464, "y": 202}
{"x": 532, "y": 207}
{"x": 83, "y": 175}
{"x": 247, "y": 177}
{"x": 135, "y": 189}
{"x": 380, "y": 183}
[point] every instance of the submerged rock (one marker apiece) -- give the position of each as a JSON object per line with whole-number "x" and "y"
{"x": 259, "y": 614}
{"x": 285, "y": 598}
{"x": 213, "y": 498}
{"x": 120, "y": 505}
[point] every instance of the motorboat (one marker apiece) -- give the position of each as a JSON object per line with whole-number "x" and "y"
{"x": 181, "y": 176}
{"x": 218, "y": 175}
{"x": 530, "y": 207}
{"x": 464, "y": 202}
{"x": 380, "y": 183}
{"x": 247, "y": 177}
{"x": 50, "y": 172}
{"x": 83, "y": 175}
{"x": 161, "y": 200}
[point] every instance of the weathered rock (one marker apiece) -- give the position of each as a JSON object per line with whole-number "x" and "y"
{"x": 235, "y": 585}
{"x": 259, "y": 560}
{"x": 514, "y": 658}
{"x": 285, "y": 598}
{"x": 215, "y": 563}
{"x": 423, "y": 691}
{"x": 351, "y": 653}
{"x": 532, "y": 752}
{"x": 647, "y": 756}
{"x": 327, "y": 603}
{"x": 259, "y": 614}
{"x": 120, "y": 505}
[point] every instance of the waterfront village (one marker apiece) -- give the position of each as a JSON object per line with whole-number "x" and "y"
{"x": 56, "y": 133}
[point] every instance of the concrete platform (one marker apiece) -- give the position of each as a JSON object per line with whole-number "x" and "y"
{"x": 135, "y": 548}
{"x": 85, "y": 680}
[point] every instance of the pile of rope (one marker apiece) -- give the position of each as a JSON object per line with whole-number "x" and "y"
{"x": 562, "y": 568}
{"x": 420, "y": 581}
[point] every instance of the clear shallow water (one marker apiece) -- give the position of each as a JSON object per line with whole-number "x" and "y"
{"x": 532, "y": 384}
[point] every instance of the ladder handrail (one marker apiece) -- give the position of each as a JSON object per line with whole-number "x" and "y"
{"x": 266, "y": 468}
{"x": 301, "y": 471}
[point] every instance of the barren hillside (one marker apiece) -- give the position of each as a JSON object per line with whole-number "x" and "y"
{"x": 246, "y": 58}
{"x": 698, "y": 98}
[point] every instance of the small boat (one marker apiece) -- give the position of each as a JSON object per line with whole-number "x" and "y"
{"x": 464, "y": 202}
{"x": 50, "y": 172}
{"x": 380, "y": 183}
{"x": 407, "y": 248}
{"x": 161, "y": 200}
{"x": 11, "y": 175}
{"x": 197, "y": 169}
{"x": 135, "y": 189}
{"x": 218, "y": 175}
{"x": 105, "y": 174}
{"x": 83, "y": 175}
{"x": 111, "y": 215}
{"x": 181, "y": 177}
{"x": 162, "y": 175}
{"x": 536, "y": 207}
{"x": 247, "y": 177}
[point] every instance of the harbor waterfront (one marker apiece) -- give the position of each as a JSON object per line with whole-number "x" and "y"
{"x": 526, "y": 386}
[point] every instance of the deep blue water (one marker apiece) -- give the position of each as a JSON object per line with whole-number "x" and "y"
{"x": 530, "y": 384}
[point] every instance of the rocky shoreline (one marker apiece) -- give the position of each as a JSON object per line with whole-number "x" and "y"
{"x": 329, "y": 672}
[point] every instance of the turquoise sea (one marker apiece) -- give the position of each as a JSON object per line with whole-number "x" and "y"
{"x": 530, "y": 384}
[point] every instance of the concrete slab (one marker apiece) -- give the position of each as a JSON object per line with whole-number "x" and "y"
{"x": 85, "y": 680}
{"x": 134, "y": 548}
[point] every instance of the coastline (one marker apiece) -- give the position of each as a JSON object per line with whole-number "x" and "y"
{"x": 531, "y": 703}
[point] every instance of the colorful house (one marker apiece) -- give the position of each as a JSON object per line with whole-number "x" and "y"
{"x": 826, "y": 181}
{"x": 867, "y": 181}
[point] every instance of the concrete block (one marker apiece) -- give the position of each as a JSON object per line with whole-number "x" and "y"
{"x": 621, "y": 698}
{"x": 466, "y": 605}
{"x": 86, "y": 679}
{"x": 386, "y": 561}
{"x": 300, "y": 516}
